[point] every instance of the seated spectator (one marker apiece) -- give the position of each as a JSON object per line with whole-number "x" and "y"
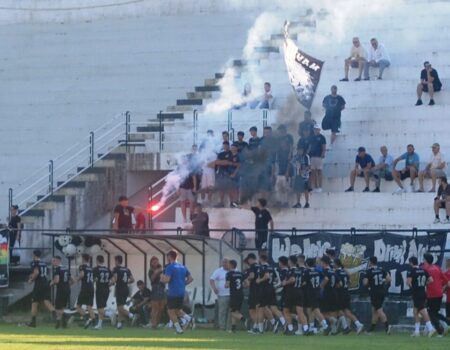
{"x": 357, "y": 59}
{"x": 442, "y": 201}
{"x": 223, "y": 183}
{"x": 283, "y": 157}
{"x": 200, "y": 222}
{"x": 246, "y": 95}
{"x": 429, "y": 82}
{"x": 333, "y": 104}
{"x": 435, "y": 168}
{"x": 378, "y": 57}
{"x": 383, "y": 169}
{"x": 317, "y": 149}
{"x": 267, "y": 98}
{"x": 254, "y": 141}
{"x": 301, "y": 168}
{"x": 307, "y": 123}
{"x": 140, "y": 308}
{"x": 240, "y": 143}
{"x": 410, "y": 170}
{"x": 363, "y": 165}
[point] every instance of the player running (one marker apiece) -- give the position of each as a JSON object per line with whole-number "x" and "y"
{"x": 62, "y": 280}
{"x": 298, "y": 272}
{"x": 344, "y": 299}
{"x": 287, "y": 293}
{"x": 328, "y": 302}
{"x": 376, "y": 279}
{"x": 86, "y": 295}
{"x": 417, "y": 280}
{"x": 234, "y": 280}
{"x": 122, "y": 277}
{"x": 250, "y": 275}
{"x": 102, "y": 277}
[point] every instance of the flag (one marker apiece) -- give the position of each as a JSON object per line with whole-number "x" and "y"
{"x": 303, "y": 70}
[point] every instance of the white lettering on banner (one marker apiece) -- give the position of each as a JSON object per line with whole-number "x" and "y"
{"x": 286, "y": 249}
{"x": 386, "y": 253}
{"x": 305, "y": 62}
{"x": 393, "y": 287}
{"x": 315, "y": 249}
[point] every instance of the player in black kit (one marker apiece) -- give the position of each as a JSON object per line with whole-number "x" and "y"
{"x": 86, "y": 295}
{"x": 250, "y": 275}
{"x": 122, "y": 277}
{"x": 234, "y": 280}
{"x": 287, "y": 294}
{"x": 41, "y": 289}
{"x": 377, "y": 280}
{"x": 417, "y": 280}
{"x": 312, "y": 296}
{"x": 328, "y": 302}
{"x": 102, "y": 277}
{"x": 62, "y": 280}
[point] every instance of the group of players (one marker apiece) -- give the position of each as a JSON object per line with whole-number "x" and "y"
{"x": 316, "y": 292}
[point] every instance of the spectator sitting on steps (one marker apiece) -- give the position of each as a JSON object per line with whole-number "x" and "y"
{"x": 378, "y": 57}
{"x": 442, "y": 201}
{"x": 357, "y": 59}
{"x": 434, "y": 169}
{"x": 410, "y": 170}
{"x": 267, "y": 98}
{"x": 429, "y": 82}
{"x": 363, "y": 165}
{"x": 383, "y": 169}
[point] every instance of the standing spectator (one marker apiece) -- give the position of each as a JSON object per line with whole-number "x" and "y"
{"x": 442, "y": 201}
{"x": 176, "y": 276}
{"x": 284, "y": 136}
{"x": 333, "y": 104}
{"x": 305, "y": 140}
{"x": 234, "y": 165}
{"x": 240, "y": 143}
{"x": 200, "y": 221}
{"x": 283, "y": 157}
{"x": 378, "y": 57}
{"x": 435, "y": 168}
{"x": 267, "y": 98}
{"x": 187, "y": 192}
{"x": 222, "y": 173}
{"x": 383, "y": 169}
{"x": 208, "y": 155}
{"x": 263, "y": 220}
{"x": 357, "y": 59}
{"x": 225, "y": 136}
{"x": 363, "y": 165}
{"x": 410, "y": 170}
{"x": 429, "y": 82}
{"x": 435, "y": 291}
{"x": 301, "y": 169}
{"x": 124, "y": 220}
{"x": 254, "y": 141}
{"x": 267, "y": 153}
{"x": 317, "y": 149}
{"x": 141, "y": 300}
{"x": 14, "y": 226}
{"x": 158, "y": 295}
{"x": 307, "y": 123}
{"x": 217, "y": 283}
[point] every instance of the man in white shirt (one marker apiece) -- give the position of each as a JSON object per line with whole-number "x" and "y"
{"x": 357, "y": 59}
{"x": 217, "y": 282}
{"x": 435, "y": 168}
{"x": 378, "y": 57}
{"x": 383, "y": 169}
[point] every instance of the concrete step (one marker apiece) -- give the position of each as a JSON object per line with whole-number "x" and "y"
{"x": 72, "y": 184}
{"x": 207, "y": 88}
{"x": 170, "y": 116}
{"x": 202, "y": 95}
{"x": 211, "y": 82}
{"x": 189, "y": 102}
{"x": 92, "y": 170}
{"x": 149, "y": 128}
{"x": 33, "y": 213}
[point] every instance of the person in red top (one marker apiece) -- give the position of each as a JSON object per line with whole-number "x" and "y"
{"x": 435, "y": 291}
{"x": 447, "y": 289}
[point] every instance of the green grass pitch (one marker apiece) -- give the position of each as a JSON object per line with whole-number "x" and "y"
{"x": 47, "y": 338}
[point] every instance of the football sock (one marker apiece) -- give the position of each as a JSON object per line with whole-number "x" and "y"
{"x": 358, "y": 324}
{"x": 130, "y": 315}
{"x": 282, "y": 320}
{"x": 187, "y": 318}
{"x": 386, "y": 325}
{"x": 100, "y": 323}
{"x": 324, "y": 324}
{"x": 417, "y": 327}
{"x": 177, "y": 327}
{"x": 305, "y": 328}
{"x": 272, "y": 321}
{"x": 343, "y": 321}
{"x": 429, "y": 326}
{"x": 290, "y": 327}
{"x": 261, "y": 327}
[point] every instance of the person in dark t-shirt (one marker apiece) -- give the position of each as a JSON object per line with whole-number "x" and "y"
{"x": 141, "y": 300}
{"x": 429, "y": 82}
{"x": 442, "y": 200}
{"x": 240, "y": 143}
{"x": 306, "y": 124}
{"x": 124, "y": 220}
{"x": 254, "y": 140}
{"x": 62, "y": 280}
{"x": 223, "y": 180}
{"x": 250, "y": 276}
{"x": 263, "y": 220}
{"x": 317, "y": 149}
{"x": 417, "y": 279}
{"x": 200, "y": 222}
{"x": 122, "y": 277}
{"x": 363, "y": 164}
{"x": 333, "y": 105}
{"x": 86, "y": 295}
{"x": 102, "y": 277}
{"x": 234, "y": 280}
{"x": 14, "y": 226}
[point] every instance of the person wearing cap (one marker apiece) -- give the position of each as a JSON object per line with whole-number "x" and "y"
{"x": 435, "y": 168}
{"x": 14, "y": 226}
{"x": 333, "y": 104}
{"x": 442, "y": 200}
{"x": 124, "y": 220}
{"x": 429, "y": 82}
{"x": 357, "y": 59}
{"x": 383, "y": 169}
{"x": 317, "y": 149}
{"x": 301, "y": 168}
{"x": 411, "y": 169}
{"x": 363, "y": 164}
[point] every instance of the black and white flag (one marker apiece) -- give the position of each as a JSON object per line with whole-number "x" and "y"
{"x": 303, "y": 70}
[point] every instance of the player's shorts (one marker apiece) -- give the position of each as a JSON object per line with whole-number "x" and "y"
{"x": 377, "y": 299}
{"x": 447, "y": 308}
{"x": 419, "y": 300}
{"x": 175, "y": 303}
{"x": 253, "y": 297}
{"x": 328, "y": 302}
{"x": 101, "y": 297}
{"x": 236, "y": 302}
{"x": 288, "y": 299}
{"x": 316, "y": 163}
{"x": 41, "y": 292}
{"x": 86, "y": 297}
{"x": 267, "y": 297}
{"x": 312, "y": 300}
{"x": 121, "y": 296}
{"x": 343, "y": 300}
{"x": 62, "y": 298}
{"x": 436, "y": 88}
